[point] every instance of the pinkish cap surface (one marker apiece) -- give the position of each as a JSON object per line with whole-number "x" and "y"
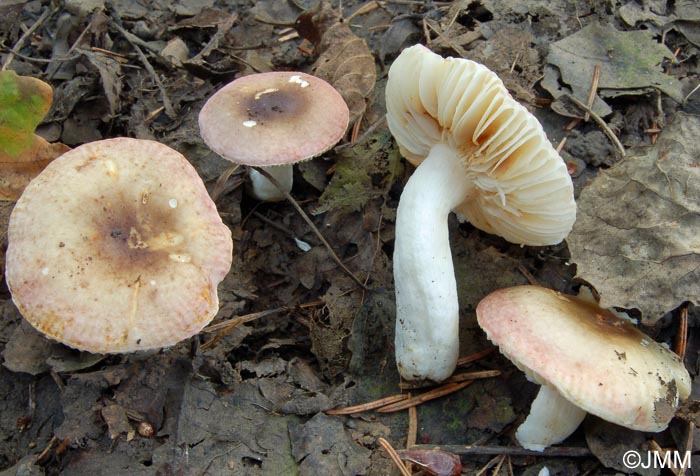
{"x": 117, "y": 247}
{"x": 273, "y": 118}
{"x": 595, "y": 359}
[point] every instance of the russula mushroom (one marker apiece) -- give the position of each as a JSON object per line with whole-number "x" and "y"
{"x": 117, "y": 247}
{"x": 586, "y": 359}
{"x": 273, "y": 120}
{"x": 478, "y": 153}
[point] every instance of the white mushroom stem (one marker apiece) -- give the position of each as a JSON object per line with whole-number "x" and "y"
{"x": 551, "y": 420}
{"x": 262, "y": 189}
{"x": 427, "y": 311}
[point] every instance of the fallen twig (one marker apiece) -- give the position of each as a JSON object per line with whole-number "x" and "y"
{"x": 18, "y": 46}
{"x": 478, "y": 355}
{"x": 133, "y": 39}
{"x": 308, "y": 221}
{"x": 394, "y": 457}
{"x": 592, "y": 92}
{"x": 456, "y": 378}
{"x": 368, "y": 406}
{"x": 606, "y": 129}
{"x": 425, "y": 397}
{"x": 226, "y": 326}
{"x": 412, "y": 432}
{"x": 468, "y": 450}
{"x": 682, "y": 336}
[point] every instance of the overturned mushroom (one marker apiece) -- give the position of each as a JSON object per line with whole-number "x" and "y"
{"x": 480, "y": 154}
{"x": 273, "y": 120}
{"x": 587, "y": 360}
{"x": 116, "y": 247}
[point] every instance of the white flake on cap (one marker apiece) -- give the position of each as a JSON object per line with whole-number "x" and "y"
{"x": 297, "y": 79}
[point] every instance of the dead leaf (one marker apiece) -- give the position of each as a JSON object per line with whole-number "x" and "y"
{"x": 322, "y": 446}
{"x": 435, "y": 462}
{"x": 24, "y": 101}
{"x": 610, "y": 443}
{"x": 110, "y": 70}
{"x": 116, "y": 419}
{"x": 636, "y": 238}
{"x": 345, "y": 60}
{"x": 630, "y": 63}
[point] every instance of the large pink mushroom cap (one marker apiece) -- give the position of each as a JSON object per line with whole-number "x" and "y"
{"x": 117, "y": 247}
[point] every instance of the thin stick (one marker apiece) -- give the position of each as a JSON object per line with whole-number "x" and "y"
{"x": 221, "y": 181}
{"x": 474, "y": 357}
{"x": 682, "y": 336}
{"x": 18, "y": 46}
{"x": 368, "y": 406}
{"x": 456, "y": 378}
{"x": 467, "y": 450}
{"x": 425, "y": 397}
{"x": 656, "y": 448}
{"x": 498, "y": 466}
{"x": 256, "y": 315}
{"x": 45, "y": 451}
{"x": 412, "y": 433}
{"x": 688, "y": 442}
{"x": 236, "y": 322}
{"x": 488, "y": 465}
{"x": 394, "y": 457}
{"x": 592, "y": 92}
{"x": 308, "y": 221}
{"x": 57, "y": 59}
{"x": 608, "y": 132}
{"x": 362, "y": 137}
{"x": 169, "y": 110}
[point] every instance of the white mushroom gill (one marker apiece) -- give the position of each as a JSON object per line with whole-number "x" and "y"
{"x": 551, "y": 420}
{"x": 427, "y": 310}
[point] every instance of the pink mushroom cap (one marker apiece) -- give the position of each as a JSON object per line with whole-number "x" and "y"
{"x": 274, "y": 118}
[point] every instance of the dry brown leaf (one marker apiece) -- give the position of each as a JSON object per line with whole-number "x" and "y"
{"x": 636, "y": 234}
{"x": 345, "y": 60}
{"x": 23, "y": 103}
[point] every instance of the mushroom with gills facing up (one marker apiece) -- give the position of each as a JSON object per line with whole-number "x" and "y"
{"x": 586, "y": 359}
{"x": 273, "y": 120}
{"x": 117, "y": 247}
{"x": 478, "y": 153}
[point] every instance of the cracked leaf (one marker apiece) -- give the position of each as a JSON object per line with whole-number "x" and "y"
{"x": 345, "y": 60}
{"x": 23, "y": 103}
{"x": 630, "y": 63}
{"x": 635, "y": 238}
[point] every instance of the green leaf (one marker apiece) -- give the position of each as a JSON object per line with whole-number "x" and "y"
{"x": 24, "y": 101}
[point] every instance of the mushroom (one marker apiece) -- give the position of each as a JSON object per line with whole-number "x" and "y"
{"x": 480, "y": 154}
{"x": 586, "y": 359}
{"x": 117, "y": 247}
{"x": 273, "y": 120}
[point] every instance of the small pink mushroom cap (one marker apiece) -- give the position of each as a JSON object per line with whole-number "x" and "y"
{"x": 117, "y": 247}
{"x": 274, "y": 118}
{"x": 596, "y": 360}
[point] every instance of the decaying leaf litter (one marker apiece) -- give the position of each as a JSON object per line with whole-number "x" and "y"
{"x": 253, "y": 402}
